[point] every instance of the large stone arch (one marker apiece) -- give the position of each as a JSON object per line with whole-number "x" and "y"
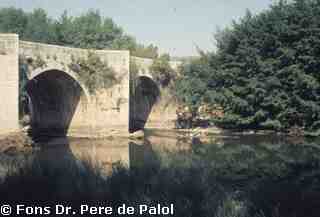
{"x": 73, "y": 75}
{"x": 146, "y": 94}
{"x": 54, "y": 97}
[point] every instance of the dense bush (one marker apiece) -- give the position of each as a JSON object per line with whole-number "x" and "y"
{"x": 161, "y": 70}
{"x": 194, "y": 82}
{"x": 265, "y": 72}
{"x": 94, "y": 72}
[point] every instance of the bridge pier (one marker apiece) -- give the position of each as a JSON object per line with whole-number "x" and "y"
{"x": 9, "y": 83}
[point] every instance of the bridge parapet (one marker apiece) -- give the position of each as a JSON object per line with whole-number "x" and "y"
{"x": 144, "y": 65}
{"x": 60, "y": 56}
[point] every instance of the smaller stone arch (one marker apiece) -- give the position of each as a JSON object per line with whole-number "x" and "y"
{"x": 146, "y": 94}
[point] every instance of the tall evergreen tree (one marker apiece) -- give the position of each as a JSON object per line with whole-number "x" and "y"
{"x": 265, "y": 72}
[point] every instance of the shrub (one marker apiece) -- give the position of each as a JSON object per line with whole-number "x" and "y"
{"x": 161, "y": 70}
{"x": 93, "y": 72}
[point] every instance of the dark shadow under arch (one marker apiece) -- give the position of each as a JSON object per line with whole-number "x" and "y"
{"x": 145, "y": 96}
{"x": 54, "y": 96}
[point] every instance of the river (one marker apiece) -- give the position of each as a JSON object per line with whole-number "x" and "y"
{"x": 232, "y": 173}
{"x": 130, "y": 153}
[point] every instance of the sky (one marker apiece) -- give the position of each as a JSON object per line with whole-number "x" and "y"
{"x": 177, "y": 27}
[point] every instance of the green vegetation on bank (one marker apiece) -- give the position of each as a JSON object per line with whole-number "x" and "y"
{"x": 89, "y": 30}
{"x": 265, "y": 72}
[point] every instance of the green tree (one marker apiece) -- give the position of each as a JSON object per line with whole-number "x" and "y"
{"x": 265, "y": 72}
{"x": 64, "y": 30}
{"x": 12, "y": 20}
{"x": 89, "y": 30}
{"x": 39, "y": 27}
{"x": 161, "y": 70}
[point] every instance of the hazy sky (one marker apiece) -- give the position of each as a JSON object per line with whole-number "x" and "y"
{"x": 175, "y": 26}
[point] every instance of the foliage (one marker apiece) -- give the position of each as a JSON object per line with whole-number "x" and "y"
{"x": 192, "y": 85}
{"x": 265, "y": 72}
{"x": 149, "y": 51}
{"x": 161, "y": 70}
{"x": 38, "y": 62}
{"x": 89, "y": 30}
{"x": 13, "y": 20}
{"x": 39, "y": 27}
{"x": 94, "y": 72}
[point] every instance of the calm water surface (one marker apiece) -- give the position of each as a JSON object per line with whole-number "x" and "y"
{"x": 109, "y": 151}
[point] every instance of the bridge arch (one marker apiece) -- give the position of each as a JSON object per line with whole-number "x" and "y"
{"x": 70, "y": 73}
{"x": 146, "y": 94}
{"x": 54, "y": 96}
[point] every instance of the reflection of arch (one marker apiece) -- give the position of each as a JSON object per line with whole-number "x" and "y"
{"x": 145, "y": 96}
{"x": 54, "y": 96}
{"x": 142, "y": 155}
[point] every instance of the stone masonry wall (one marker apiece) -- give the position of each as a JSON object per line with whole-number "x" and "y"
{"x": 106, "y": 109}
{"x": 9, "y": 82}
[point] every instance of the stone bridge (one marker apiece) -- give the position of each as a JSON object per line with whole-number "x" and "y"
{"x": 58, "y": 100}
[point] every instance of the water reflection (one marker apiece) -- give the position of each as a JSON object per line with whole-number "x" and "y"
{"x": 64, "y": 151}
{"x": 135, "y": 153}
{"x": 69, "y": 151}
{"x": 259, "y": 172}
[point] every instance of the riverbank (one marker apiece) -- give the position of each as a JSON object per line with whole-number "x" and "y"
{"x": 15, "y": 142}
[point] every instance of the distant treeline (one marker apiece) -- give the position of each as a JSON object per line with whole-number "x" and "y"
{"x": 90, "y": 30}
{"x": 265, "y": 72}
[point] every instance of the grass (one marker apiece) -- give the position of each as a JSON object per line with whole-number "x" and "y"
{"x": 219, "y": 181}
